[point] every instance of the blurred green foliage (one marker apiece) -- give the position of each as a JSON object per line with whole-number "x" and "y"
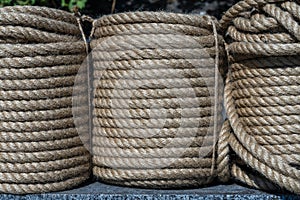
{"x": 65, "y": 4}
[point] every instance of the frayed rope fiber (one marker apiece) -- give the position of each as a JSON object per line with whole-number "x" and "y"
{"x": 262, "y": 95}
{"x": 41, "y": 50}
{"x": 154, "y": 100}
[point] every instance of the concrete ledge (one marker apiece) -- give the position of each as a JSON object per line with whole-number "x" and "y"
{"x": 107, "y": 192}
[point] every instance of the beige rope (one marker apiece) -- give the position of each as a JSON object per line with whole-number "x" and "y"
{"x": 22, "y": 188}
{"x": 41, "y": 52}
{"x": 154, "y": 83}
{"x": 262, "y": 95}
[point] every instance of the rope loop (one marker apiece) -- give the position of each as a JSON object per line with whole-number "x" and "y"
{"x": 264, "y": 45}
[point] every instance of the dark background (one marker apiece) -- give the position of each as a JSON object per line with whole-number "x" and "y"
{"x": 96, "y": 8}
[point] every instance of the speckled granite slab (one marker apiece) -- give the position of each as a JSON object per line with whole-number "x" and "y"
{"x": 108, "y": 192}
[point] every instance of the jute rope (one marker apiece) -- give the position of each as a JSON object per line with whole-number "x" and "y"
{"x": 154, "y": 99}
{"x": 40, "y": 54}
{"x": 262, "y": 95}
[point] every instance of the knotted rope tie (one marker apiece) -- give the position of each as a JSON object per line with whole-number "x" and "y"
{"x": 84, "y": 124}
{"x": 41, "y": 52}
{"x": 154, "y": 99}
{"x": 262, "y": 94}
{"x": 216, "y": 95}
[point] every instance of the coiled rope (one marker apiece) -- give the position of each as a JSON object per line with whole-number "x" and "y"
{"x": 40, "y": 52}
{"x": 262, "y": 95}
{"x": 154, "y": 99}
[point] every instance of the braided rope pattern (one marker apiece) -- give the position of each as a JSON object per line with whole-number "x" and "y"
{"x": 154, "y": 77}
{"x": 262, "y": 94}
{"x": 40, "y": 54}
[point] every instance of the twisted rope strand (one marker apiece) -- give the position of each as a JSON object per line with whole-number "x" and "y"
{"x": 42, "y": 188}
{"x": 150, "y": 163}
{"x": 149, "y": 28}
{"x": 37, "y": 22}
{"x": 49, "y": 13}
{"x": 155, "y": 17}
{"x": 146, "y": 133}
{"x": 43, "y": 177}
{"x": 21, "y": 35}
{"x": 23, "y": 50}
{"x": 43, "y": 166}
{"x": 149, "y": 142}
{"x": 38, "y": 136}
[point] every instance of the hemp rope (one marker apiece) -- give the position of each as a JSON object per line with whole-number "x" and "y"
{"x": 145, "y": 64}
{"x": 41, "y": 52}
{"x": 262, "y": 95}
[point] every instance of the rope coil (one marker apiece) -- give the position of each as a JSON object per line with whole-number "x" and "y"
{"x": 40, "y": 55}
{"x": 154, "y": 82}
{"x": 262, "y": 95}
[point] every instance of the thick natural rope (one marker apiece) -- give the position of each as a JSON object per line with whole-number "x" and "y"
{"x": 25, "y": 188}
{"x": 58, "y": 15}
{"x": 262, "y": 95}
{"x": 41, "y": 52}
{"x": 147, "y": 64}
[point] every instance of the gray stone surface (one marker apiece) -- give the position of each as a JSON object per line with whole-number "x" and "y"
{"x": 108, "y": 192}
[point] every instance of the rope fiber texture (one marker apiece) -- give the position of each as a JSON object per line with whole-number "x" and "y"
{"x": 41, "y": 50}
{"x": 262, "y": 95}
{"x": 154, "y": 100}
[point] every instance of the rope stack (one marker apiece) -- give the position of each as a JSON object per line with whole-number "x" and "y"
{"x": 262, "y": 94}
{"x": 154, "y": 99}
{"x": 40, "y": 53}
